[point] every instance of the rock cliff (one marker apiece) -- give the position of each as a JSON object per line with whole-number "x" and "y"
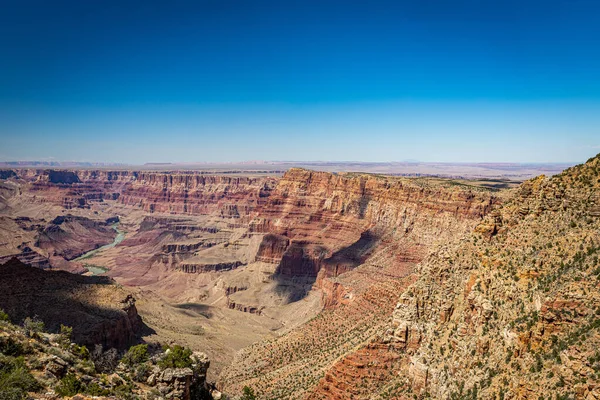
{"x": 509, "y": 311}
{"x": 358, "y": 237}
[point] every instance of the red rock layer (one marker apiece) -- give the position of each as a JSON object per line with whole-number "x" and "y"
{"x": 334, "y": 221}
{"x": 359, "y": 237}
{"x": 179, "y": 192}
{"x": 69, "y": 236}
{"x": 231, "y": 197}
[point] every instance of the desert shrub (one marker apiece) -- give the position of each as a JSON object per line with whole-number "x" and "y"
{"x": 33, "y": 326}
{"x": 94, "y": 389}
{"x": 15, "y": 379}
{"x": 136, "y": 355}
{"x": 10, "y": 347}
{"x": 69, "y": 386}
{"x": 140, "y": 373}
{"x": 248, "y": 393}
{"x": 124, "y": 392}
{"x": 80, "y": 351}
{"x": 65, "y": 335}
{"x": 176, "y": 357}
{"x": 4, "y": 316}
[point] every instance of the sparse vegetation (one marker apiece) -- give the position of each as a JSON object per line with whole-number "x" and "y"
{"x": 15, "y": 378}
{"x": 136, "y": 355}
{"x": 248, "y": 393}
{"x": 176, "y": 357}
{"x": 33, "y": 326}
{"x": 70, "y": 385}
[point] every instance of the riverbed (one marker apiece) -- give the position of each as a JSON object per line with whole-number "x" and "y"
{"x": 98, "y": 269}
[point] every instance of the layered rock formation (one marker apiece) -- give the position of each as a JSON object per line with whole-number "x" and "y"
{"x": 329, "y": 217}
{"x": 180, "y": 192}
{"x": 234, "y": 197}
{"x": 509, "y": 311}
{"x": 358, "y": 237}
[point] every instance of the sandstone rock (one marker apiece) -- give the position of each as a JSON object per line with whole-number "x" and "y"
{"x": 151, "y": 380}
{"x": 57, "y": 367}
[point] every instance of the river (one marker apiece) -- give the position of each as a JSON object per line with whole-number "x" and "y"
{"x": 98, "y": 269}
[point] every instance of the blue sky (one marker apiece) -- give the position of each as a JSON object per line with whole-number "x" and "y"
{"x": 241, "y": 80}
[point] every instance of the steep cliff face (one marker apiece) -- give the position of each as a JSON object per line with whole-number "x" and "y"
{"x": 272, "y": 248}
{"x": 323, "y": 225}
{"x": 98, "y": 310}
{"x": 359, "y": 238}
{"x": 510, "y": 311}
{"x": 333, "y": 220}
{"x": 232, "y": 197}
{"x": 177, "y": 192}
{"x": 73, "y": 189}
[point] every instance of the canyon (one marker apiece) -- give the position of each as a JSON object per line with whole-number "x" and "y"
{"x": 324, "y": 285}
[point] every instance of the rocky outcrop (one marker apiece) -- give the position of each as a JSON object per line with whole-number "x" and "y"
{"x": 30, "y": 257}
{"x": 200, "y": 268}
{"x": 187, "y": 383}
{"x": 272, "y": 248}
{"x": 64, "y": 177}
{"x": 99, "y": 311}
{"x": 53, "y": 367}
{"x": 301, "y": 259}
{"x": 234, "y": 289}
{"x": 511, "y": 310}
{"x": 232, "y": 305}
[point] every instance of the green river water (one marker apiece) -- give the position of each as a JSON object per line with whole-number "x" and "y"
{"x": 98, "y": 269}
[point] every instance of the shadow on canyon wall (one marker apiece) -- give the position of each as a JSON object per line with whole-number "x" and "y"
{"x": 303, "y": 261}
{"x": 98, "y": 311}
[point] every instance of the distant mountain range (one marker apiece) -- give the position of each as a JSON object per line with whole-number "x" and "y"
{"x": 513, "y": 171}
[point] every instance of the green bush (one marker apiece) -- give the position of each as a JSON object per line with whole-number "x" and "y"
{"x": 80, "y": 351}
{"x": 4, "y": 316}
{"x": 140, "y": 373}
{"x": 94, "y": 389}
{"x": 65, "y": 335}
{"x": 33, "y": 326}
{"x": 15, "y": 379}
{"x": 176, "y": 357}
{"x": 124, "y": 392}
{"x": 136, "y": 355}
{"x": 10, "y": 347}
{"x": 248, "y": 393}
{"x": 69, "y": 386}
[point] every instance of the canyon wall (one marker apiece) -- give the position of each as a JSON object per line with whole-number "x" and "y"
{"x": 176, "y": 192}
{"x": 510, "y": 311}
{"x": 359, "y": 238}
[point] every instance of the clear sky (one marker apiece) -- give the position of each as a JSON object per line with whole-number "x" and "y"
{"x": 174, "y": 81}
